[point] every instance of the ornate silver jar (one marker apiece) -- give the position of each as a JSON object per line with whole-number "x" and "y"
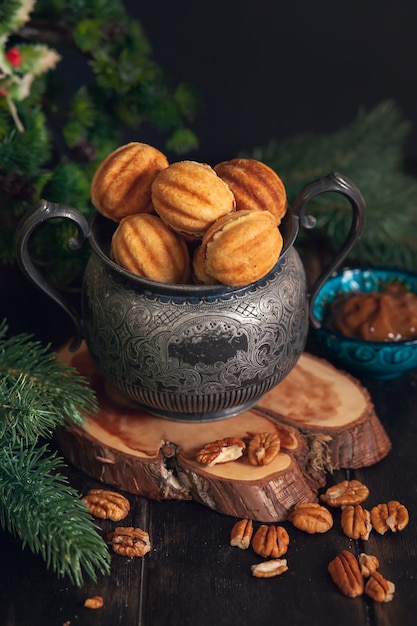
{"x": 187, "y": 352}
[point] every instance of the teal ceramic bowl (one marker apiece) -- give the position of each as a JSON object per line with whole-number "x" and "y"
{"x": 369, "y": 359}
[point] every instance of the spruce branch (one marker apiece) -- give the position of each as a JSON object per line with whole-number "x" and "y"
{"x": 369, "y": 151}
{"x": 38, "y": 505}
{"x": 37, "y": 393}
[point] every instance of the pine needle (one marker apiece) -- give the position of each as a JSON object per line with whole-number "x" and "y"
{"x": 37, "y": 393}
{"x": 369, "y": 151}
{"x": 38, "y": 506}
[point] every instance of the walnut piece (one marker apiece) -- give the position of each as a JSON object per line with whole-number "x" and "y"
{"x": 379, "y": 589}
{"x": 346, "y": 574}
{"x": 390, "y": 516}
{"x": 267, "y": 569}
{"x": 96, "y": 602}
{"x": 270, "y": 541}
{"x": 344, "y": 493}
{"x": 129, "y": 541}
{"x": 263, "y": 448}
{"x": 221, "y": 451}
{"x": 106, "y": 504}
{"x": 356, "y": 522}
{"x": 311, "y": 517}
{"x": 241, "y": 534}
{"x": 368, "y": 564}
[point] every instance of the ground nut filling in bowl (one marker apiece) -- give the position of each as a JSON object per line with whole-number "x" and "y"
{"x": 386, "y": 299}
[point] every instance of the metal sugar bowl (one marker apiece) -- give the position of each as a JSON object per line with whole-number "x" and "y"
{"x": 187, "y": 352}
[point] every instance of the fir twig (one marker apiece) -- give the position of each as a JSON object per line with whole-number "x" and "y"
{"x": 369, "y": 151}
{"x": 37, "y": 393}
{"x": 38, "y": 506}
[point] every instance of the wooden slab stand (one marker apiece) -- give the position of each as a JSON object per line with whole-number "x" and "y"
{"x": 325, "y": 420}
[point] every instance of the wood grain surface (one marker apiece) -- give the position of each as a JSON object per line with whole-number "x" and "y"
{"x": 193, "y": 576}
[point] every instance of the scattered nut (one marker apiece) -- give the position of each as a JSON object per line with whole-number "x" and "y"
{"x": 106, "y": 504}
{"x": 263, "y": 448}
{"x": 241, "y": 534}
{"x": 346, "y": 574}
{"x": 221, "y": 451}
{"x": 270, "y": 541}
{"x": 129, "y": 541}
{"x": 379, "y": 589}
{"x": 344, "y": 493}
{"x": 267, "y": 569}
{"x": 368, "y": 564}
{"x": 356, "y": 522}
{"x": 96, "y": 602}
{"x": 391, "y": 516}
{"x": 311, "y": 517}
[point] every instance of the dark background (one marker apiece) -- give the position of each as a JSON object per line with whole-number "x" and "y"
{"x": 265, "y": 70}
{"x": 269, "y": 70}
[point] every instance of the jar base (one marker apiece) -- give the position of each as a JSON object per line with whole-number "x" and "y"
{"x": 195, "y": 418}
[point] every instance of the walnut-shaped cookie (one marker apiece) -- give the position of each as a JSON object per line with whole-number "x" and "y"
{"x": 145, "y": 246}
{"x": 255, "y": 186}
{"x": 122, "y": 183}
{"x": 239, "y": 248}
{"x": 189, "y": 197}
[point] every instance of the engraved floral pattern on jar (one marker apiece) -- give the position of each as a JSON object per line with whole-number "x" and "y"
{"x": 168, "y": 349}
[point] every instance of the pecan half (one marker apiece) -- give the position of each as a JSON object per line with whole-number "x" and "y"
{"x": 287, "y": 436}
{"x": 390, "y": 516}
{"x": 311, "y": 517}
{"x": 368, "y": 564}
{"x": 221, "y": 451}
{"x": 346, "y": 574}
{"x": 96, "y": 602}
{"x": 129, "y": 541}
{"x": 344, "y": 493}
{"x": 106, "y": 504}
{"x": 267, "y": 569}
{"x": 270, "y": 541}
{"x": 356, "y": 522}
{"x": 263, "y": 448}
{"x": 241, "y": 534}
{"x": 379, "y": 589}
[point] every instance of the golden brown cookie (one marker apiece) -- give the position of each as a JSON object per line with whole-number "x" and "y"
{"x": 240, "y": 248}
{"x": 144, "y": 245}
{"x": 122, "y": 183}
{"x": 189, "y": 197}
{"x": 255, "y": 186}
{"x": 199, "y": 272}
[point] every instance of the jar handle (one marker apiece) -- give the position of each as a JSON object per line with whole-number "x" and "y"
{"x": 46, "y": 211}
{"x": 340, "y": 184}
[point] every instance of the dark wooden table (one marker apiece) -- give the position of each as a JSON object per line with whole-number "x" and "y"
{"x": 192, "y": 576}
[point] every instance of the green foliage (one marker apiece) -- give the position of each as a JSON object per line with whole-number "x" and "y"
{"x": 38, "y": 394}
{"x": 369, "y": 151}
{"x": 8, "y": 10}
{"x": 78, "y": 9}
{"x": 68, "y": 132}
{"x": 15, "y": 155}
{"x": 38, "y": 505}
{"x": 30, "y": 381}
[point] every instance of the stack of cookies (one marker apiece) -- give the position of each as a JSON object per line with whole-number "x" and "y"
{"x": 189, "y": 223}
